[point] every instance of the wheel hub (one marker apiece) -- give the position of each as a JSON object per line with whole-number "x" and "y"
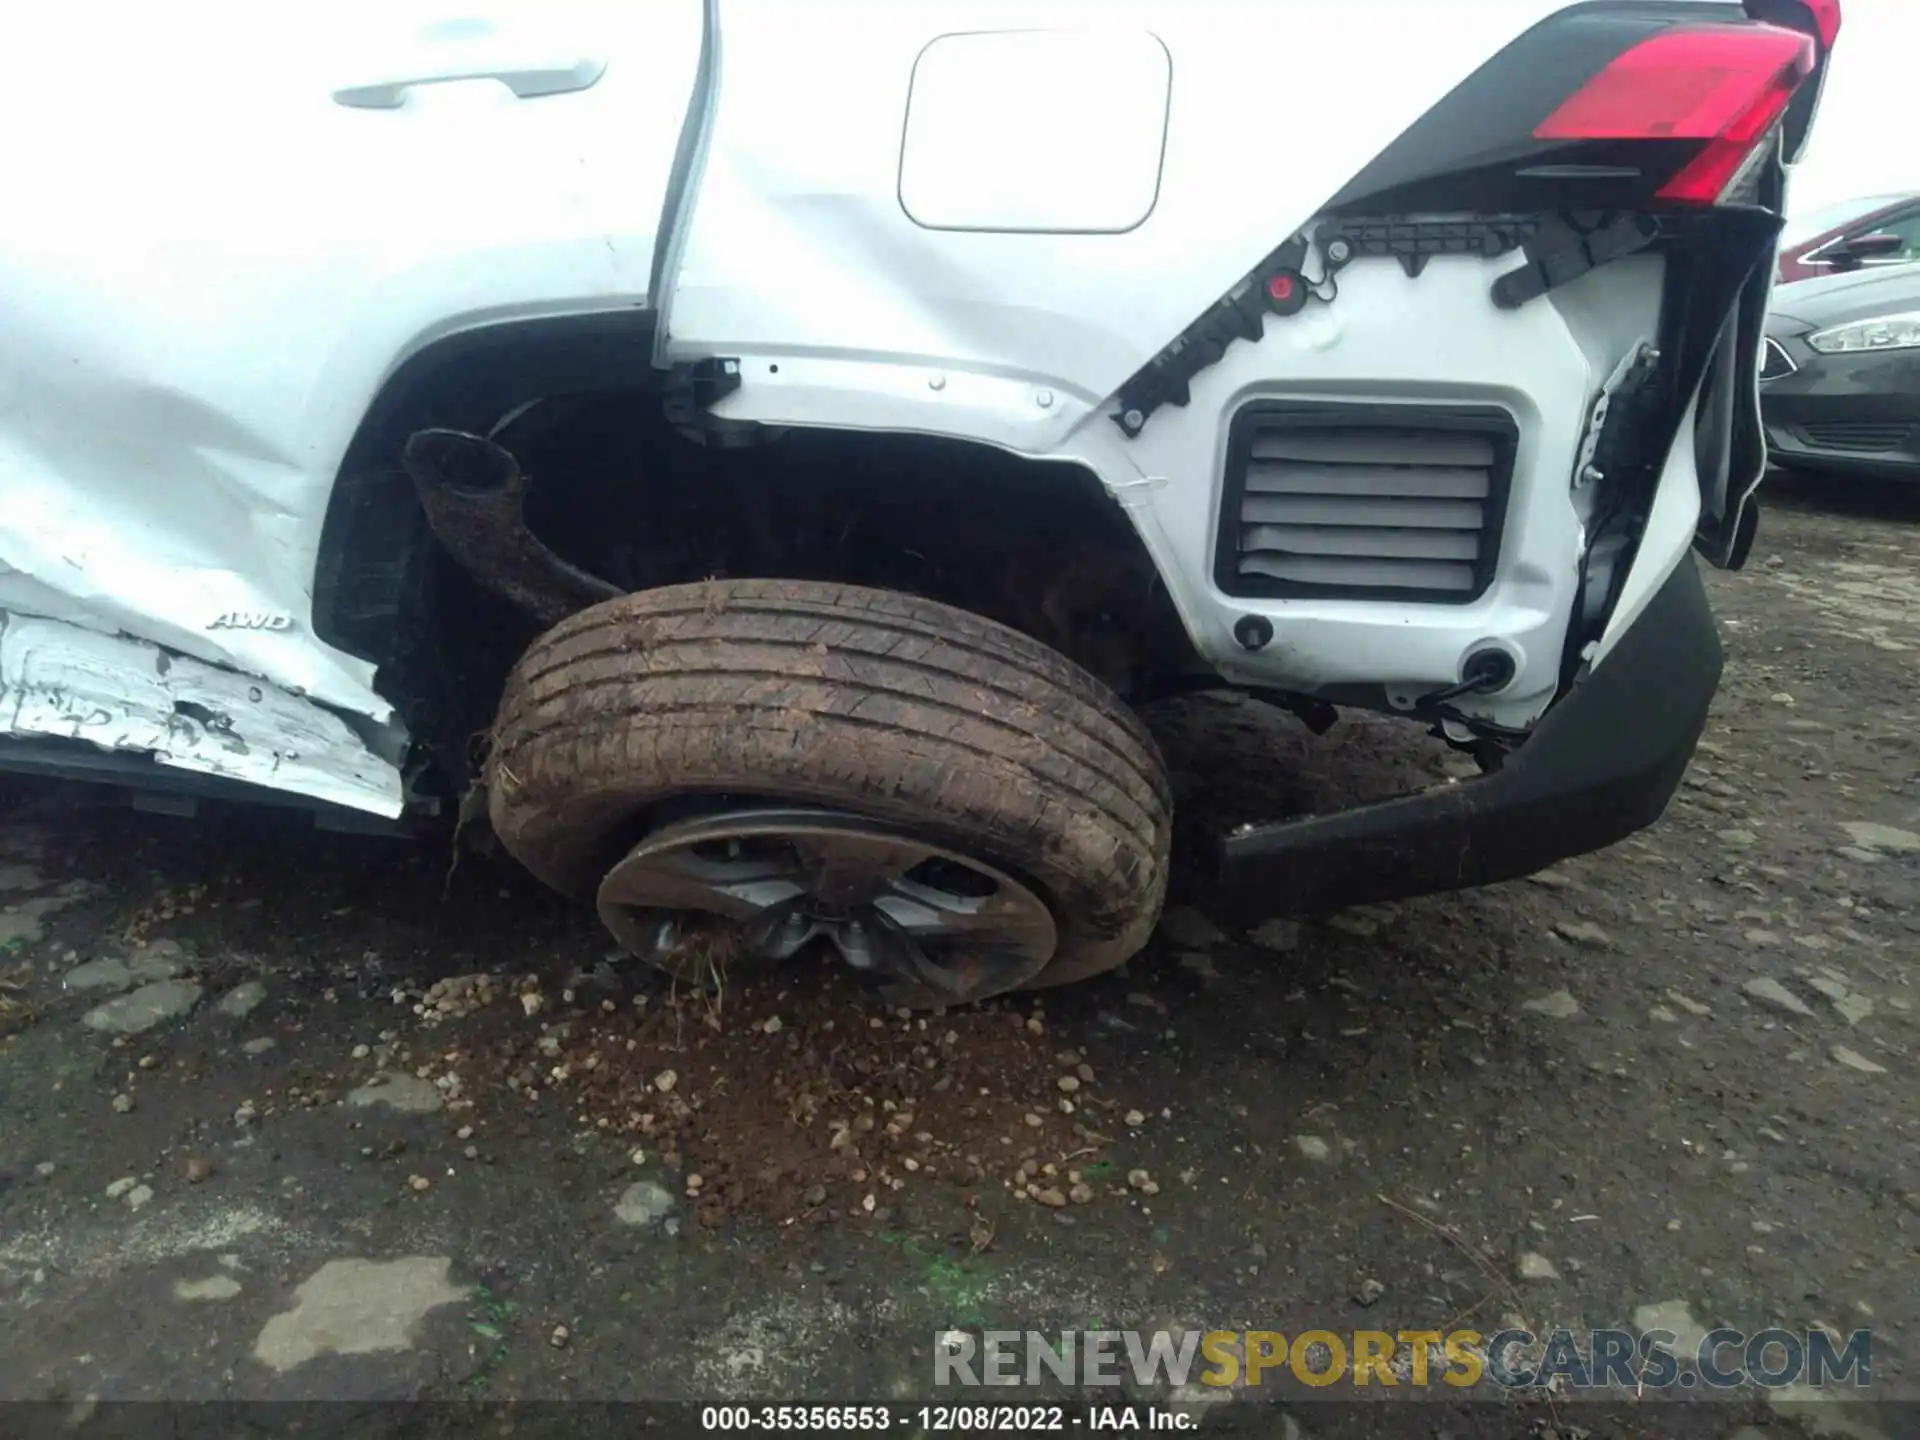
{"x": 710, "y": 897}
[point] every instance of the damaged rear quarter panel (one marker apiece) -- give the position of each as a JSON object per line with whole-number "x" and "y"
{"x": 195, "y": 328}
{"x": 62, "y": 681}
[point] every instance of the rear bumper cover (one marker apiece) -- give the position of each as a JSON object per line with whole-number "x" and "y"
{"x": 1602, "y": 764}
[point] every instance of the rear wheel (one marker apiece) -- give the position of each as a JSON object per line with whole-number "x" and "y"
{"x": 738, "y": 769}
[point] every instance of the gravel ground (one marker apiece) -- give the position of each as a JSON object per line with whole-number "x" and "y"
{"x": 291, "y": 1115}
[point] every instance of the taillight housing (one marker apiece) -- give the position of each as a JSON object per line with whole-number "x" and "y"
{"x": 1722, "y": 86}
{"x": 1817, "y": 17}
{"x": 1826, "y": 19}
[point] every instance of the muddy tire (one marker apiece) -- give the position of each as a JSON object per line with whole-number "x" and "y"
{"x": 883, "y": 705}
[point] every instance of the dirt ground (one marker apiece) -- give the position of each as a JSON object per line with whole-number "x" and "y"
{"x": 406, "y": 1133}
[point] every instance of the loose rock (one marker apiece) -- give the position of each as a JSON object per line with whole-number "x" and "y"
{"x": 358, "y": 1307}
{"x": 1560, "y": 1005}
{"x": 1312, "y": 1147}
{"x": 1675, "y": 1317}
{"x": 1854, "y": 1060}
{"x": 1532, "y": 1266}
{"x": 644, "y": 1203}
{"x": 242, "y": 1000}
{"x": 1847, "y": 1004}
{"x": 1277, "y": 935}
{"x": 113, "y": 975}
{"x": 408, "y": 1094}
{"x": 1771, "y": 993}
{"x": 145, "y": 1008}
{"x": 1882, "y": 839}
{"x": 1584, "y": 933}
{"x": 214, "y": 1287}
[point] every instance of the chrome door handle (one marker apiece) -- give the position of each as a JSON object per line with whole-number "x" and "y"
{"x": 525, "y": 81}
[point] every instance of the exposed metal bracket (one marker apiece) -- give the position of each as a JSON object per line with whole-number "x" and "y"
{"x": 1628, "y": 377}
{"x": 693, "y": 389}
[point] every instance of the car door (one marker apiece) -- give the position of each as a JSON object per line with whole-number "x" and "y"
{"x": 229, "y": 223}
{"x": 1903, "y": 223}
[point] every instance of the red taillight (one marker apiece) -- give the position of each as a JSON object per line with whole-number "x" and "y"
{"x": 1722, "y": 85}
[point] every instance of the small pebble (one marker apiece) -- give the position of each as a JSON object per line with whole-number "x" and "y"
{"x": 122, "y": 1104}
{"x": 196, "y": 1170}
{"x": 665, "y": 1081}
{"x": 1135, "y": 1118}
{"x": 561, "y": 1335}
{"x": 418, "y": 1183}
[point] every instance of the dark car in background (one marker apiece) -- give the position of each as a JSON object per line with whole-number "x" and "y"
{"x": 1869, "y": 232}
{"x": 1840, "y": 374}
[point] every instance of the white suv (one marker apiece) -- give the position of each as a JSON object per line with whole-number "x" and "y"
{"x": 765, "y": 448}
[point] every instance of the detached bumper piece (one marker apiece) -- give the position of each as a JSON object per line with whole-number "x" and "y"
{"x": 1601, "y": 765}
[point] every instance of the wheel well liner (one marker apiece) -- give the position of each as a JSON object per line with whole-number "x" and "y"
{"x": 374, "y": 527}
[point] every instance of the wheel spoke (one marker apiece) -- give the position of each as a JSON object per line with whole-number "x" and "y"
{"x": 947, "y": 928}
{"x": 854, "y": 869}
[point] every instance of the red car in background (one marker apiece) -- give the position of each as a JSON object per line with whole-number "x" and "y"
{"x": 1851, "y": 235}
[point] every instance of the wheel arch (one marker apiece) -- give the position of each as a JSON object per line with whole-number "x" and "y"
{"x": 375, "y": 530}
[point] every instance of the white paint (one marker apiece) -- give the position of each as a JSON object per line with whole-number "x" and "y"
{"x": 1666, "y": 541}
{"x": 194, "y": 336}
{"x": 1036, "y": 130}
{"x": 59, "y": 680}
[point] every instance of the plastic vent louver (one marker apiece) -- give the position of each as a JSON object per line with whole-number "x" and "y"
{"x": 1368, "y": 510}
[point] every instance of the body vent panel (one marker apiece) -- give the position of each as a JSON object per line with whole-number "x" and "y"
{"x": 1365, "y": 501}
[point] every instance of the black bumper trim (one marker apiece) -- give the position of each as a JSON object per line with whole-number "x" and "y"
{"x": 1602, "y": 764}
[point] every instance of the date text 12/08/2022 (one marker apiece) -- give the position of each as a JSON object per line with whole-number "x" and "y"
{"x": 941, "y": 1419}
